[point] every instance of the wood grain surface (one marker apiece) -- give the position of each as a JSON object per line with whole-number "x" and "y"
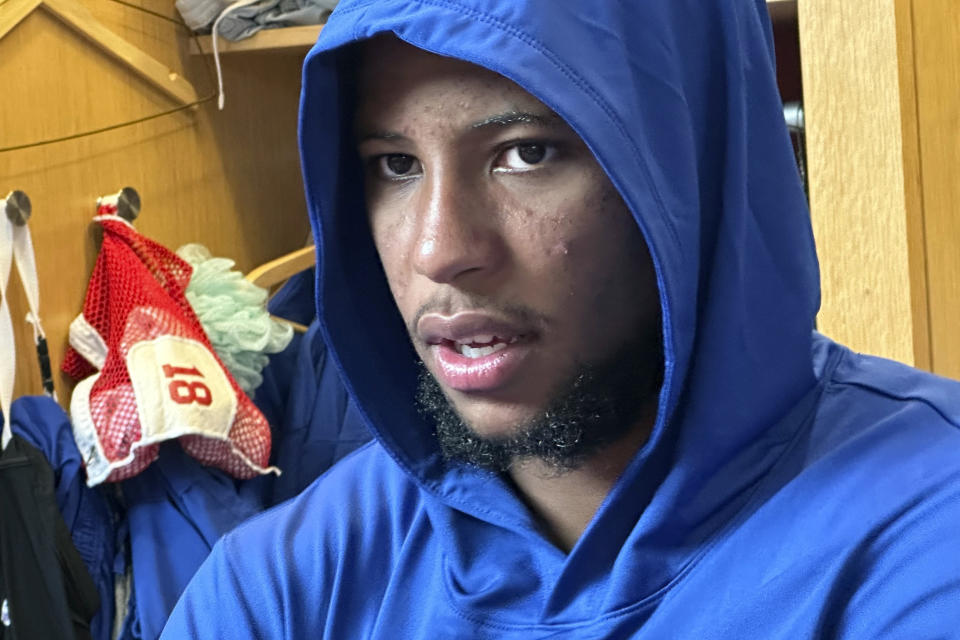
{"x": 229, "y": 179}
{"x": 859, "y": 176}
{"x": 936, "y": 25}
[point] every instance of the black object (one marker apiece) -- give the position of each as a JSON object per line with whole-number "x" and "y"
{"x": 46, "y": 373}
{"x": 46, "y": 591}
{"x": 18, "y": 208}
{"x": 128, "y": 204}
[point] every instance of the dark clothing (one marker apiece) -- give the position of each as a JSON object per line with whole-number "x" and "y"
{"x": 88, "y": 512}
{"x": 47, "y": 587}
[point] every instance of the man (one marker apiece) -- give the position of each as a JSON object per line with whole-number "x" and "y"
{"x": 567, "y": 272}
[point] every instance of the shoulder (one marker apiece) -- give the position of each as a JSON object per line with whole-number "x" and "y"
{"x": 278, "y": 574}
{"x": 883, "y": 460}
{"x": 890, "y": 406}
{"x": 894, "y": 382}
{"x": 883, "y": 433}
{"x": 866, "y": 504}
{"x": 881, "y": 453}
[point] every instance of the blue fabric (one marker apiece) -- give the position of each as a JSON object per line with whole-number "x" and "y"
{"x": 86, "y": 511}
{"x": 176, "y": 512}
{"x": 790, "y": 487}
{"x": 314, "y": 423}
{"x": 319, "y": 424}
{"x": 294, "y": 301}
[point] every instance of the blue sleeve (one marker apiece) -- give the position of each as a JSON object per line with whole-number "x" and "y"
{"x": 222, "y": 602}
{"x": 176, "y": 510}
{"x": 271, "y": 578}
{"x": 312, "y": 567}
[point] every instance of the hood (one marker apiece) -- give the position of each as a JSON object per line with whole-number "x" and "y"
{"x": 677, "y": 99}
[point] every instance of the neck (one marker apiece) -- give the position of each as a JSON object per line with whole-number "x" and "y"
{"x": 566, "y": 502}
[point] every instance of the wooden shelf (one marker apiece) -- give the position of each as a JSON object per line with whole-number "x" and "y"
{"x": 286, "y": 38}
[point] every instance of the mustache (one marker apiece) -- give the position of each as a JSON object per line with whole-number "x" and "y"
{"x": 448, "y": 304}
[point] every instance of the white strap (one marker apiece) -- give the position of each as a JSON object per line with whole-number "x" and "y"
{"x": 26, "y": 261}
{"x": 239, "y": 4}
{"x": 23, "y": 257}
{"x": 8, "y": 348}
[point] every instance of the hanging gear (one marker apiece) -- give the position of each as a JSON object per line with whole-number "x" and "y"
{"x": 156, "y": 375}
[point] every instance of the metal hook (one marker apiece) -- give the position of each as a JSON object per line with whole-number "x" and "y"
{"x": 17, "y": 207}
{"x": 793, "y": 114}
{"x": 796, "y": 125}
{"x": 126, "y": 202}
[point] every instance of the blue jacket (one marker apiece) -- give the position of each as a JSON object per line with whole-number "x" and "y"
{"x": 314, "y": 421}
{"x": 176, "y": 510}
{"x": 790, "y": 488}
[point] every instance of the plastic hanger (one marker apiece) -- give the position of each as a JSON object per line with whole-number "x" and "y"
{"x": 75, "y": 15}
{"x": 282, "y": 268}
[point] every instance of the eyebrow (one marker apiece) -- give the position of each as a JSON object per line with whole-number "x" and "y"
{"x": 509, "y": 118}
{"x": 505, "y": 119}
{"x": 381, "y": 135}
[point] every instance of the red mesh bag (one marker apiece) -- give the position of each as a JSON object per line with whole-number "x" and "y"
{"x": 149, "y": 371}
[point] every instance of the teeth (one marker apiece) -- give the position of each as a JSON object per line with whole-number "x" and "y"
{"x": 480, "y": 352}
{"x": 485, "y": 344}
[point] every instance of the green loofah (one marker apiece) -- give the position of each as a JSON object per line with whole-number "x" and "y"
{"x": 234, "y": 315}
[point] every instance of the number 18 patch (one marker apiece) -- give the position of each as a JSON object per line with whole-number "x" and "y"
{"x": 180, "y": 388}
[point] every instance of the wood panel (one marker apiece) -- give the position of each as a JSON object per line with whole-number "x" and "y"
{"x": 862, "y": 177}
{"x": 936, "y": 26}
{"x": 228, "y": 179}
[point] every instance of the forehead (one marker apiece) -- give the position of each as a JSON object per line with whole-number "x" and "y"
{"x": 399, "y": 83}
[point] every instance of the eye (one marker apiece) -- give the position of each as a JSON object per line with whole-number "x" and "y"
{"x": 524, "y": 157}
{"x": 398, "y": 166}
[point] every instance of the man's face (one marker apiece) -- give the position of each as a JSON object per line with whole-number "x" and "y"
{"x": 511, "y": 257}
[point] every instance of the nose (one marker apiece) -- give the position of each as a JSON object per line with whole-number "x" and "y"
{"x": 457, "y": 236}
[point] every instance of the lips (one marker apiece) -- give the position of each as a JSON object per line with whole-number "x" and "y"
{"x": 475, "y": 352}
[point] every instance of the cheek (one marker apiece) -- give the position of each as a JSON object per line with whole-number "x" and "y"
{"x": 575, "y": 229}
{"x": 559, "y": 249}
{"x": 595, "y": 253}
{"x": 393, "y": 257}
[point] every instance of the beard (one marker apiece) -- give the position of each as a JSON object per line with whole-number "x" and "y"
{"x": 593, "y": 408}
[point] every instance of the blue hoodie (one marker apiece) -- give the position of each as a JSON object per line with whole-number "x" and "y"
{"x": 790, "y": 488}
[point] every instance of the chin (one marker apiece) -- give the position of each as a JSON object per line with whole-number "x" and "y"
{"x": 494, "y": 423}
